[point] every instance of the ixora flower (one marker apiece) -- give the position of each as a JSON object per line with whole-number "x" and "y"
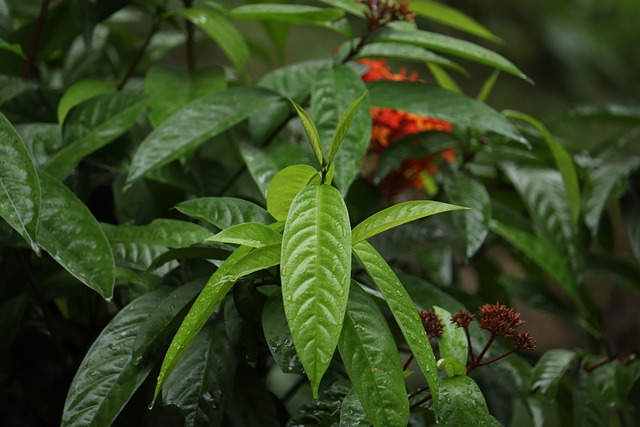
{"x": 391, "y": 126}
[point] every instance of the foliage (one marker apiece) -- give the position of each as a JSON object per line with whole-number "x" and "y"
{"x": 187, "y": 239}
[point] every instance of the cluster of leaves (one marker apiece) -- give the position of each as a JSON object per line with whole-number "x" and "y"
{"x": 169, "y": 237}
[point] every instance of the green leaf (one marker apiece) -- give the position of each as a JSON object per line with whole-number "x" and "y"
{"x": 351, "y": 412}
{"x": 599, "y": 188}
{"x": 432, "y": 101}
{"x": 294, "y": 80}
{"x": 203, "y": 379}
{"x": 349, "y": 6}
{"x": 11, "y": 86}
{"x": 289, "y": 13}
{"x": 450, "y": 45}
{"x": 474, "y": 224}
{"x": 197, "y": 122}
{"x": 334, "y": 90}
{"x": 250, "y": 234}
{"x": 12, "y": 47}
{"x": 315, "y": 272}
{"x": 278, "y": 336}
{"x": 166, "y": 232}
{"x": 463, "y": 392}
{"x": 405, "y": 52}
{"x": 487, "y": 87}
{"x": 223, "y": 212}
{"x": 615, "y": 113}
{"x": 261, "y": 166}
{"x": 41, "y": 139}
{"x": 444, "y": 79}
{"x": 92, "y": 125}
{"x": 403, "y": 310}
{"x": 221, "y": 31}
{"x": 447, "y": 15}
{"x": 285, "y": 186}
{"x": 544, "y": 254}
{"x": 109, "y": 373}
{"x": 72, "y": 236}
{"x": 20, "y": 185}
{"x": 81, "y": 91}
{"x": 549, "y": 370}
{"x": 563, "y": 162}
{"x": 343, "y": 126}
{"x": 310, "y": 129}
{"x": 185, "y": 87}
{"x": 323, "y": 410}
{"x": 371, "y": 358}
{"x": 399, "y": 214}
{"x": 139, "y": 256}
{"x": 453, "y": 342}
{"x": 192, "y": 252}
{"x": 243, "y": 261}
{"x": 252, "y": 403}
{"x": 630, "y": 214}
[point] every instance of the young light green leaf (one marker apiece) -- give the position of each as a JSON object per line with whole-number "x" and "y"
{"x": 92, "y": 125}
{"x": 109, "y": 373}
{"x": 290, "y": 13}
{"x": 250, "y": 234}
{"x": 19, "y": 185}
{"x": 315, "y": 272}
{"x": 370, "y": 356}
{"x": 343, "y": 126}
{"x": 444, "y": 79}
{"x": 399, "y": 214}
{"x": 69, "y": 232}
{"x": 549, "y": 370}
{"x": 278, "y": 336}
{"x": 450, "y": 45}
{"x": 311, "y": 131}
{"x": 334, "y": 90}
{"x": 563, "y": 162}
{"x": 166, "y": 232}
{"x": 243, "y": 261}
{"x": 453, "y": 342}
{"x": 221, "y": 31}
{"x": 194, "y": 124}
{"x": 81, "y": 91}
{"x": 403, "y": 310}
{"x": 286, "y": 185}
{"x": 223, "y": 212}
{"x": 487, "y": 87}
{"x": 463, "y": 392}
{"x": 432, "y": 101}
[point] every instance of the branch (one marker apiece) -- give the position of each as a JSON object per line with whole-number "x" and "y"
{"x": 42, "y": 16}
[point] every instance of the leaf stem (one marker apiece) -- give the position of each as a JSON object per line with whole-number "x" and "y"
{"x": 140, "y": 55}
{"x": 33, "y": 49}
{"x": 191, "y": 41}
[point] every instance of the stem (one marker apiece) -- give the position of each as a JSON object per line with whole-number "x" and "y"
{"x": 408, "y": 362}
{"x": 604, "y": 362}
{"x": 42, "y": 16}
{"x": 140, "y": 55}
{"x": 191, "y": 41}
{"x": 476, "y": 361}
{"x": 469, "y": 346}
{"x": 494, "y": 359}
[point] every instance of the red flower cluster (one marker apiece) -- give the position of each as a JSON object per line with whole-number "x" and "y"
{"x": 382, "y": 12}
{"x": 390, "y": 126}
{"x": 432, "y": 323}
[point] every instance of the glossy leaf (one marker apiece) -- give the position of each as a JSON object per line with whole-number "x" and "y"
{"x": 192, "y": 252}
{"x": 474, "y": 223}
{"x": 81, "y": 91}
{"x": 349, "y": 6}
{"x": 197, "y": 122}
{"x": 432, "y": 101}
{"x": 140, "y": 256}
{"x": 450, "y": 45}
{"x": 599, "y": 188}
{"x": 334, "y": 90}
{"x": 250, "y": 234}
{"x": 444, "y": 79}
{"x": 92, "y": 125}
{"x": 221, "y": 31}
{"x": 166, "y": 232}
{"x": 325, "y": 410}
{"x": 41, "y": 139}
{"x": 278, "y": 336}
{"x": 403, "y": 310}
{"x": 343, "y": 127}
{"x": 260, "y": 165}
{"x": 284, "y": 187}
{"x": 549, "y": 371}
{"x": 406, "y": 52}
{"x": 243, "y": 261}
{"x": 396, "y": 215}
{"x": 462, "y": 392}
{"x": 11, "y": 86}
{"x": 310, "y": 129}
{"x": 563, "y": 161}
{"x": 451, "y": 17}
{"x": 223, "y": 212}
{"x": 453, "y": 342}
{"x": 19, "y": 185}
{"x": 109, "y": 374}
{"x": 351, "y": 412}
{"x": 289, "y": 13}
{"x": 371, "y": 358}
{"x": 203, "y": 379}
{"x": 294, "y": 80}
{"x": 72, "y": 236}
{"x": 315, "y": 272}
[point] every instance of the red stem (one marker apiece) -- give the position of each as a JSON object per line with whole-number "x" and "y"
{"x": 476, "y": 361}
{"x": 28, "y": 66}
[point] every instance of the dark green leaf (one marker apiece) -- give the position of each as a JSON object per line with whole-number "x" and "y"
{"x": 140, "y": 256}
{"x": 223, "y": 212}
{"x": 192, "y": 252}
{"x": 252, "y": 404}
{"x": 549, "y": 371}
{"x": 166, "y": 232}
{"x": 403, "y": 309}
{"x": 334, "y": 90}
{"x": 20, "y": 194}
{"x": 349, "y": 6}
{"x": 278, "y": 336}
{"x": 294, "y": 80}
{"x": 351, "y": 412}
{"x": 11, "y": 47}
{"x": 11, "y": 86}
{"x": 315, "y": 271}
{"x": 261, "y": 166}
{"x": 432, "y": 101}
{"x": 284, "y": 187}
{"x": 290, "y": 13}
{"x": 450, "y": 45}
{"x": 630, "y": 215}
{"x": 197, "y": 122}
{"x": 93, "y": 124}
{"x": 72, "y": 236}
{"x": 462, "y": 403}
{"x": 613, "y": 112}
{"x": 323, "y": 411}
{"x": 370, "y": 356}
{"x": 42, "y": 140}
